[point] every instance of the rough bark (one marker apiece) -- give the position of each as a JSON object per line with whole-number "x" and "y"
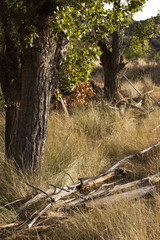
{"x": 112, "y": 62}
{"x": 28, "y": 79}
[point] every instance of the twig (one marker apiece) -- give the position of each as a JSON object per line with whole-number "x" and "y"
{"x": 63, "y": 104}
{"x": 10, "y": 225}
{"x": 39, "y": 190}
{"x": 38, "y": 215}
{"x": 30, "y": 218}
{"x": 131, "y": 84}
{"x": 71, "y": 179}
{"x": 156, "y": 128}
{"x": 68, "y": 191}
{"x": 18, "y": 200}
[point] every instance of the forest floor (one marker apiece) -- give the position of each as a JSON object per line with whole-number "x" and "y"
{"x": 84, "y": 144}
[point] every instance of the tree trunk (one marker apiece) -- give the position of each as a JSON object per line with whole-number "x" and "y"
{"x": 39, "y": 77}
{"x": 112, "y": 62}
{"x": 28, "y": 79}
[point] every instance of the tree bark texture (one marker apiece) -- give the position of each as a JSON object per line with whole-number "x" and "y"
{"x": 112, "y": 62}
{"x": 28, "y": 80}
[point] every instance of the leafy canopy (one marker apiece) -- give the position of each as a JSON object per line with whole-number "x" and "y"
{"x": 81, "y": 21}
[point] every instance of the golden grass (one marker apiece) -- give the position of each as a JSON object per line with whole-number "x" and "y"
{"x": 137, "y": 220}
{"x": 84, "y": 144}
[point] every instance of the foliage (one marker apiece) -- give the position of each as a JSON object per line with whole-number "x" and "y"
{"x": 78, "y": 64}
{"x": 79, "y": 20}
{"x": 136, "y": 49}
{"x": 90, "y": 23}
{"x": 140, "y": 34}
{"x": 80, "y": 96}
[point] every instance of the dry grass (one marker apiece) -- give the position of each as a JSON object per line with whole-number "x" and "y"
{"x": 130, "y": 221}
{"x": 137, "y": 69}
{"x": 84, "y": 144}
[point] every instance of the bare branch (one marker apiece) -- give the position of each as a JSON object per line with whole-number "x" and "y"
{"x": 38, "y": 215}
{"x": 39, "y": 190}
{"x": 68, "y": 191}
{"x": 129, "y": 195}
{"x": 71, "y": 178}
{"x": 110, "y": 190}
{"x": 131, "y": 83}
{"x": 127, "y": 158}
{"x": 16, "y": 201}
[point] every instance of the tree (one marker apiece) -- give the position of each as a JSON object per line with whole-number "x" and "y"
{"x": 34, "y": 38}
{"x": 121, "y": 16}
{"x": 140, "y": 37}
{"x": 106, "y": 27}
{"x": 112, "y": 58}
{"x": 33, "y": 49}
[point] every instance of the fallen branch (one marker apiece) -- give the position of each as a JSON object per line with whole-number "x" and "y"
{"x": 51, "y": 192}
{"x": 127, "y": 158}
{"x": 38, "y": 189}
{"x": 132, "y": 84}
{"x": 151, "y": 180}
{"x": 11, "y": 225}
{"x": 133, "y": 194}
{"x": 39, "y": 214}
{"x": 100, "y": 180}
{"x": 16, "y": 201}
{"x": 73, "y": 188}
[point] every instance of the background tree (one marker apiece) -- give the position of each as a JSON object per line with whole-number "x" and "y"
{"x": 106, "y": 28}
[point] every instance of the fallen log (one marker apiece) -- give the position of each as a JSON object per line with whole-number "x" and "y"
{"x": 129, "y": 195}
{"x": 151, "y": 180}
{"x": 56, "y": 195}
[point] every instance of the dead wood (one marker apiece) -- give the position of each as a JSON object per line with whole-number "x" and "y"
{"x": 22, "y": 234}
{"x": 38, "y": 215}
{"x": 131, "y": 84}
{"x": 96, "y": 181}
{"x": 113, "y": 189}
{"x": 56, "y": 195}
{"x": 129, "y": 195}
{"x": 11, "y": 225}
{"x": 127, "y": 158}
{"x": 63, "y": 104}
{"x": 97, "y": 194}
{"x": 30, "y": 185}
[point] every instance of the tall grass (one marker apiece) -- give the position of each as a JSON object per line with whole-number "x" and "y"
{"x": 84, "y": 144}
{"x": 138, "y": 220}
